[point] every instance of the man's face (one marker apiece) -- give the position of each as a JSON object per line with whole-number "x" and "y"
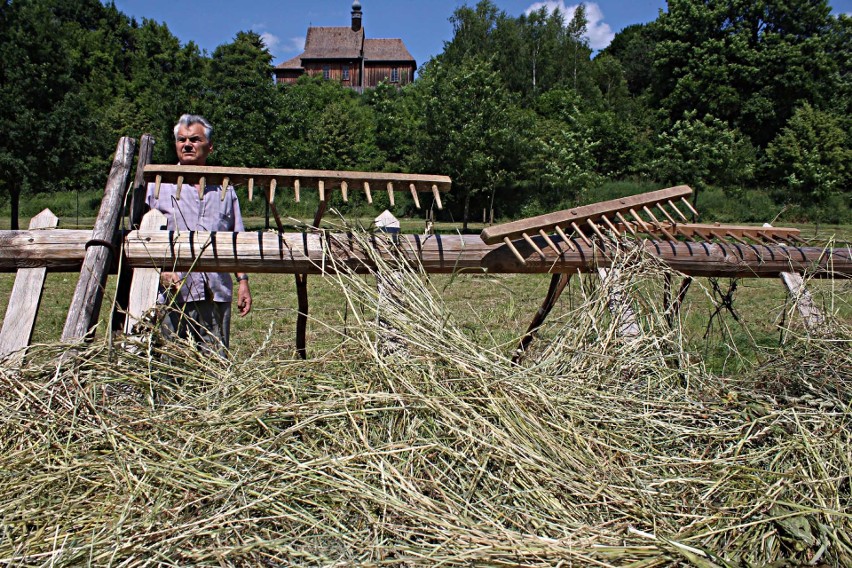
{"x": 192, "y": 145}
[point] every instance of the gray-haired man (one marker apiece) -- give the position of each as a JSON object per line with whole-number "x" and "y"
{"x": 203, "y": 298}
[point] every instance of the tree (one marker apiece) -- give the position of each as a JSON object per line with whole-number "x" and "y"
{"x": 748, "y": 63}
{"x": 812, "y": 156}
{"x": 701, "y": 152}
{"x": 633, "y": 47}
{"x": 471, "y": 129}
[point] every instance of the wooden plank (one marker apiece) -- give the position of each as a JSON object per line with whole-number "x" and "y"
{"x": 811, "y": 314}
{"x": 619, "y": 303}
{"x": 292, "y": 253}
{"x": 549, "y": 222}
{"x": 89, "y": 293}
{"x": 287, "y": 177}
{"x": 19, "y": 322}
{"x": 146, "y": 281}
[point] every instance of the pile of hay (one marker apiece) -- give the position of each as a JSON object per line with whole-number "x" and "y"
{"x": 595, "y": 451}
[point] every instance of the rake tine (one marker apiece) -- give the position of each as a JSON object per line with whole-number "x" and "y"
{"x": 767, "y": 237}
{"x": 533, "y": 245}
{"x": 344, "y": 189}
{"x": 157, "y": 182}
{"x": 437, "y": 195}
{"x": 251, "y": 188}
{"x": 367, "y": 191}
{"x": 673, "y": 205}
{"x": 515, "y": 251}
{"x": 202, "y": 185}
{"x": 736, "y": 238}
{"x": 225, "y": 181}
{"x": 549, "y": 242}
{"x": 414, "y": 195}
{"x": 390, "y": 193}
{"x": 297, "y": 190}
{"x": 640, "y": 221}
{"x": 565, "y": 238}
{"x": 273, "y": 183}
{"x": 596, "y": 229}
{"x": 666, "y": 213}
{"x": 610, "y": 225}
{"x": 321, "y": 189}
{"x": 689, "y": 205}
{"x": 657, "y": 223}
{"x": 179, "y": 187}
{"x": 581, "y": 234}
{"x": 626, "y": 223}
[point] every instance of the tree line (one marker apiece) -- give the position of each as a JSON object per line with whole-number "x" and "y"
{"x": 741, "y": 97}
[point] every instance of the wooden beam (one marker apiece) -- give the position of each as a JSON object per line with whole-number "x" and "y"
{"x": 290, "y": 253}
{"x": 86, "y": 302}
{"x": 19, "y": 322}
{"x": 140, "y": 186}
{"x": 811, "y": 314}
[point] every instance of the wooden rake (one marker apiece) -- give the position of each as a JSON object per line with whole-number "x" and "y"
{"x": 633, "y": 214}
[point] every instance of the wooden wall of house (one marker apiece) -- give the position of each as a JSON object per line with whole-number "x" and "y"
{"x": 374, "y": 73}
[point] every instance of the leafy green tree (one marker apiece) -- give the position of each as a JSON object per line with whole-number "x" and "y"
{"x": 471, "y": 130}
{"x": 633, "y": 47}
{"x": 700, "y": 152}
{"x": 241, "y": 102}
{"x": 812, "y": 156}
{"x": 748, "y": 63}
{"x": 398, "y": 122}
{"x": 44, "y": 115}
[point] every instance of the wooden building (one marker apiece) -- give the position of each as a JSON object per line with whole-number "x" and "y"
{"x": 348, "y": 56}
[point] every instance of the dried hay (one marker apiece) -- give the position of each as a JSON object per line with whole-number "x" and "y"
{"x": 597, "y": 451}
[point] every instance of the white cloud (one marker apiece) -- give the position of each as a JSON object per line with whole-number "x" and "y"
{"x": 270, "y": 41}
{"x": 281, "y": 48}
{"x": 598, "y": 32}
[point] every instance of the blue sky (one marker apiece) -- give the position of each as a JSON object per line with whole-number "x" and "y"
{"x": 423, "y": 25}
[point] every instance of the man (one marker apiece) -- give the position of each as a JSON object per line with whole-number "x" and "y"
{"x": 203, "y": 299}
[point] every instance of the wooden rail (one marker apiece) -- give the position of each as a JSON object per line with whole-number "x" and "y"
{"x": 306, "y": 253}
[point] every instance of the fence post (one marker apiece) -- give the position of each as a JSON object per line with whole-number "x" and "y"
{"x": 25, "y": 299}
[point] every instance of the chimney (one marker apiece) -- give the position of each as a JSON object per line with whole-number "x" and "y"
{"x": 356, "y": 16}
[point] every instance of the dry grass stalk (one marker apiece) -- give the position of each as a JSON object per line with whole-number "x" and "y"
{"x": 598, "y": 451}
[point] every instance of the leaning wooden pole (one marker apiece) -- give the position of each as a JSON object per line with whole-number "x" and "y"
{"x": 100, "y": 248}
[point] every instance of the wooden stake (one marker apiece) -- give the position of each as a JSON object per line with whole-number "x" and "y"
{"x": 414, "y": 195}
{"x": 437, "y": 195}
{"x": 367, "y": 192}
{"x": 515, "y": 251}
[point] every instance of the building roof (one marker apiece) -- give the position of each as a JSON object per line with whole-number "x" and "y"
{"x": 333, "y": 43}
{"x": 295, "y": 63}
{"x": 386, "y": 50}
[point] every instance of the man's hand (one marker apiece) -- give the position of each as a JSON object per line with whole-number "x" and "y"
{"x": 244, "y": 298}
{"x": 169, "y": 281}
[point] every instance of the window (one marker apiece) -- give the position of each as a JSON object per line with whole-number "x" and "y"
{"x": 395, "y": 75}
{"x": 326, "y": 72}
{"x": 345, "y": 72}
